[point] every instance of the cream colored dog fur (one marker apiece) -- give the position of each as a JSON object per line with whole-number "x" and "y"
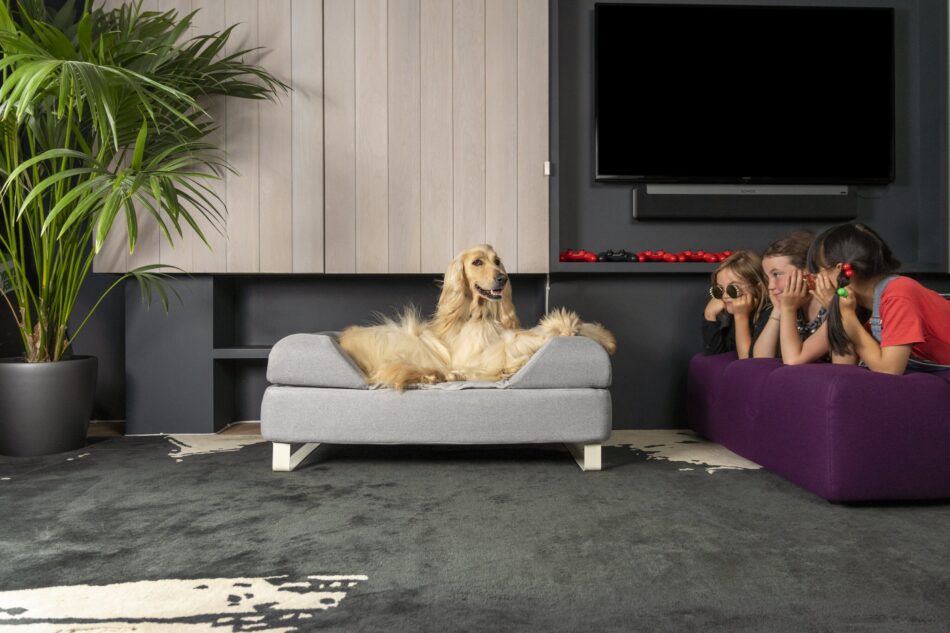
{"x": 474, "y": 335}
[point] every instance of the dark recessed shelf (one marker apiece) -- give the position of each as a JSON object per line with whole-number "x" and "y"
{"x": 633, "y": 267}
{"x": 242, "y": 353}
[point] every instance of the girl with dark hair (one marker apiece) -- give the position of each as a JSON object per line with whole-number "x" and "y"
{"x": 737, "y": 310}
{"x": 907, "y": 324}
{"x": 796, "y": 329}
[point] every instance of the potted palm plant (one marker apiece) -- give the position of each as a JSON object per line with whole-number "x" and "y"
{"x": 101, "y": 121}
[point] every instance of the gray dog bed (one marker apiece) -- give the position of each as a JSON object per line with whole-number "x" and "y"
{"x": 318, "y": 395}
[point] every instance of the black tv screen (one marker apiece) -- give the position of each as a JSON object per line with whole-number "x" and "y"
{"x": 744, "y": 94}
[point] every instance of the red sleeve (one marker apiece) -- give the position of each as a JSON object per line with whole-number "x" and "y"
{"x": 901, "y": 323}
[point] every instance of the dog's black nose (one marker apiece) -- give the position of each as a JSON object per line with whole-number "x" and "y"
{"x": 501, "y": 278}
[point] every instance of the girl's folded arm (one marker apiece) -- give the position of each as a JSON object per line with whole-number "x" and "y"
{"x": 743, "y": 337}
{"x": 887, "y": 360}
{"x": 815, "y": 347}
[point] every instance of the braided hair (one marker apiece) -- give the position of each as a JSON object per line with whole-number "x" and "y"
{"x": 870, "y": 257}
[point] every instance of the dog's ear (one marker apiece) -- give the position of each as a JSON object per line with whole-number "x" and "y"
{"x": 454, "y": 300}
{"x": 509, "y": 318}
{"x": 454, "y": 282}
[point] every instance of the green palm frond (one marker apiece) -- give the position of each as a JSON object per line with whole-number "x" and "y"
{"x": 101, "y": 122}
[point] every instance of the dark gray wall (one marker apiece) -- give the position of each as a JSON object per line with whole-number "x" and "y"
{"x": 103, "y": 336}
{"x": 911, "y": 213}
{"x": 168, "y": 360}
{"x": 10, "y": 344}
{"x": 263, "y": 308}
{"x": 657, "y": 317}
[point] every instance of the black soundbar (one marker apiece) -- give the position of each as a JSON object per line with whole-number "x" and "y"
{"x": 741, "y": 206}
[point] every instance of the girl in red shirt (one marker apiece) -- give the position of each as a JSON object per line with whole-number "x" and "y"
{"x": 886, "y": 321}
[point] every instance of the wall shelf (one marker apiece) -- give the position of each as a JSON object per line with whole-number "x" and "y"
{"x": 628, "y": 268}
{"x": 241, "y": 353}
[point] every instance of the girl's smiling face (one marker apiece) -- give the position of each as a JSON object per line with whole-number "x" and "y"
{"x": 777, "y": 269}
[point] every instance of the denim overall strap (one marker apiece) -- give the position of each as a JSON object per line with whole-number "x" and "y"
{"x": 876, "y": 312}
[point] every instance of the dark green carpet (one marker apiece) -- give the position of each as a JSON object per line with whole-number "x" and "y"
{"x": 458, "y": 539}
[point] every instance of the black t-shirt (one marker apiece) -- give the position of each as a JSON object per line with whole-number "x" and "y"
{"x": 720, "y": 335}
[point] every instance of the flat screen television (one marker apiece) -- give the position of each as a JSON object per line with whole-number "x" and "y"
{"x": 741, "y": 94}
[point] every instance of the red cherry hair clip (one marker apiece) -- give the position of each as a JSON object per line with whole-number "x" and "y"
{"x": 848, "y": 271}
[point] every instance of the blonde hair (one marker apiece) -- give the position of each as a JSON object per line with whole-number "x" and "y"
{"x": 747, "y": 266}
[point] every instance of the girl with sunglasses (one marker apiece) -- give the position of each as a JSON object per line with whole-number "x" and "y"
{"x": 888, "y": 322}
{"x": 797, "y": 329}
{"x": 737, "y": 310}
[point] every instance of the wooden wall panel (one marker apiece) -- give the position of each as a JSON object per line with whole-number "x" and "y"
{"x": 415, "y": 129}
{"x": 372, "y": 138}
{"x": 243, "y": 147}
{"x": 533, "y": 197}
{"x": 468, "y": 28}
{"x": 501, "y": 129}
{"x": 307, "y": 108}
{"x": 404, "y": 176}
{"x": 213, "y": 256}
{"x": 339, "y": 75}
{"x": 437, "y": 191}
{"x": 275, "y": 201}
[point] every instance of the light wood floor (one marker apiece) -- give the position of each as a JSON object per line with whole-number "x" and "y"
{"x": 116, "y": 428}
{"x": 242, "y": 428}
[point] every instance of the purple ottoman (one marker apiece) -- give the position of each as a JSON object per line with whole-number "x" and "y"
{"x": 842, "y": 432}
{"x": 705, "y": 377}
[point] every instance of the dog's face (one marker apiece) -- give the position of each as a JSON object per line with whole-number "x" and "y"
{"x": 476, "y": 286}
{"x": 483, "y": 272}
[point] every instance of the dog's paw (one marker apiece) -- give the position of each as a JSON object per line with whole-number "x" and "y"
{"x": 431, "y": 378}
{"x": 398, "y": 375}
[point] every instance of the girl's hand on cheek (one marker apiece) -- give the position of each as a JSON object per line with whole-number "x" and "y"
{"x": 714, "y": 308}
{"x": 848, "y": 304}
{"x": 796, "y": 291}
{"x": 742, "y": 305}
{"x": 824, "y": 290}
{"x": 849, "y": 316}
{"x": 776, "y": 300}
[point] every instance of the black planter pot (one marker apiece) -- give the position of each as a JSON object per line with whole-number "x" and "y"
{"x": 45, "y": 407}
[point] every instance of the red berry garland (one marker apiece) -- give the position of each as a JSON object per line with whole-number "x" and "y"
{"x": 570, "y": 255}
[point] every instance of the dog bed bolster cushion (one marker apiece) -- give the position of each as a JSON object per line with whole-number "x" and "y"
{"x": 317, "y": 360}
{"x": 565, "y": 362}
{"x": 313, "y": 360}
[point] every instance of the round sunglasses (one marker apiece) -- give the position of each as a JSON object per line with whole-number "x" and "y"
{"x": 734, "y": 290}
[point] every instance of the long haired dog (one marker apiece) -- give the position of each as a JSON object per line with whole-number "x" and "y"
{"x": 474, "y": 335}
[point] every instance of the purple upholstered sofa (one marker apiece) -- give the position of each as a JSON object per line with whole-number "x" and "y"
{"x": 842, "y": 432}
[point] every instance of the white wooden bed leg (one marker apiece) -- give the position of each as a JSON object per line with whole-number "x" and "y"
{"x": 285, "y": 460}
{"x": 587, "y": 456}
